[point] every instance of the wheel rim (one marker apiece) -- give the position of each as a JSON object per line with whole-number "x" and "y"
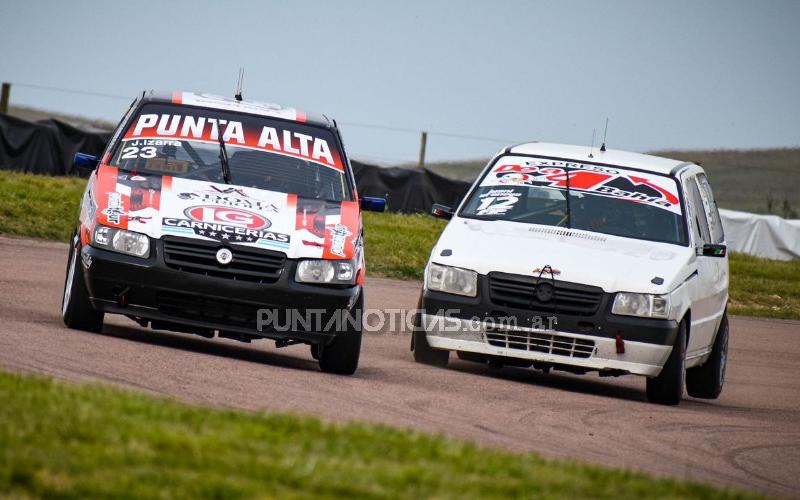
{"x": 70, "y": 278}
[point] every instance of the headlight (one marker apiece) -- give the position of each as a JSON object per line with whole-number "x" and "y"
{"x": 452, "y": 280}
{"x": 329, "y": 272}
{"x": 641, "y": 304}
{"x": 122, "y": 241}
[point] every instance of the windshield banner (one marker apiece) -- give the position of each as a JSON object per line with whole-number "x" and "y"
{"x": 635, "y": 186}
{"x": 245, "y": 132}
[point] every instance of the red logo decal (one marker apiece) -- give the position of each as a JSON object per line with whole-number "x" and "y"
{"x": 225, "y": 215}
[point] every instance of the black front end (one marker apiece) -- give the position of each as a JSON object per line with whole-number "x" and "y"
{"x": 182, "y": 286}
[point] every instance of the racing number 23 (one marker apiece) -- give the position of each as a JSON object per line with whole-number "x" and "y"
{"x": 133, "y": 152}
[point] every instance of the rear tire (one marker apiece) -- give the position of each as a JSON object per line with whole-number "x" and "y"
{"x": 667, "y": 387}
{"x": 706, "y": 381}
{"x": 76, "y": 309}
{"x": 341, "y": 355}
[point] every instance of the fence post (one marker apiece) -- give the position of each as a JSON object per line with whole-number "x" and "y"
{"x": 4, "y": 97}
{"x": 423, "y": 141}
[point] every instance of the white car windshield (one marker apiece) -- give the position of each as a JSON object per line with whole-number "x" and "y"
{"x": 262, "y": 152}
{"x": 603, "y": 199}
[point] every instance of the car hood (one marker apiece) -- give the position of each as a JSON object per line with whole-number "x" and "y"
{"x": 162, "y": 206}
{"x": 610, "y": 262}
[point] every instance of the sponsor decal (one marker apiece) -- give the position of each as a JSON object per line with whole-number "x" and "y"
{"x": 639, "y": 187}
{"x": 224, "y": 215}
{"x": 235, "y": 133}
{"x": 546, "y": 270}
{"x": 498, "y": 201}
{"x": 229, "y": 197}
{"x": 114, "y": 210}
{"x": 339, "y": 234}
{"x": 225, "y": 232}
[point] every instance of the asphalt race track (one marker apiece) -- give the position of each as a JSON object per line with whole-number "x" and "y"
{"x": 749, "y": 438}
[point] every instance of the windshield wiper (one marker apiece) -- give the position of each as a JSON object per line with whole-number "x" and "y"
{"x": 223, "y": 159}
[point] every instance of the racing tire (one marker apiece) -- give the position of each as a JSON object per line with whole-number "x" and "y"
{"x": 706, "y": 381}
{"x": 76, "y": 309}
{"x": 340, "y": 356}
{"x": 667, "y": 387}
{"x": 423, "y": 352}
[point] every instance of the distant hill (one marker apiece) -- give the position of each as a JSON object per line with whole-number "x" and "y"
{"x": 751, "y": 180}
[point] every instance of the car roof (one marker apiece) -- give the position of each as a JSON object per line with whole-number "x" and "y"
{"x": 248, "y": 106}
{"x": 613, "y": 157}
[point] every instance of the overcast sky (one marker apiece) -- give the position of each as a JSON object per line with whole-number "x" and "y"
{"x": 678, "y": 74}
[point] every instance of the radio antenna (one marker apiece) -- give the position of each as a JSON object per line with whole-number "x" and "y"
{"x": 238, "y": 94}
{"x": 591, "y": 149}
{"x": 605, "y": 132}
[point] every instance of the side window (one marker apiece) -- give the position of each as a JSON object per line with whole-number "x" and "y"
{"x": 710, "y": 207}
{"x": 698, "y": 213}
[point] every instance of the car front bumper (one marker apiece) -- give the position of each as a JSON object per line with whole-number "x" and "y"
{"x": 546, "y": 334}
{"x": 151, "y": 291}
{"x": 550, "y": 347}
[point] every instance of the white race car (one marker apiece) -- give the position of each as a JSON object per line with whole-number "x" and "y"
{"x": 558, "y": 258}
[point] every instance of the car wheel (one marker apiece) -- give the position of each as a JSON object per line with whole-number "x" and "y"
{"x": 706, "y": 381}
{"x": 340, "y": 356}
{"x": 667, "y": 387}
{"x": 423, "y": 352}
{"x": 76, "y": 309}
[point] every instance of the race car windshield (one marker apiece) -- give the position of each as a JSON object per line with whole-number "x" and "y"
{"x": 263, "y": 153}
{"x": 608, "y": 200}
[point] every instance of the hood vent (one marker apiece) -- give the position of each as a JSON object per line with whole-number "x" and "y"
{"x": 569, "y": 233}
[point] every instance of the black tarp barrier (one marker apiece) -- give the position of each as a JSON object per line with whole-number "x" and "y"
{"x": 45, "y": 147}
{"x": 407, "y": 190}
{"x": 48, "y": 147}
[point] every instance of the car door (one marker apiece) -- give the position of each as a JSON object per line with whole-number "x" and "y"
{"x": 717, "y": 234}
{"x": 704, "y": 289}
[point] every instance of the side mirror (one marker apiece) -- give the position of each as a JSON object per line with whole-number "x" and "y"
{"x": 441, "y": 211}
{"x": 85, "y": 162}
{"x": 372, "y": 204}
{"x": 713, "y": 250}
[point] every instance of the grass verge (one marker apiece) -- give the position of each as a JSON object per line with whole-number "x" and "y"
{"x": 398, "y": 245}
{"x": 77, "y": 441}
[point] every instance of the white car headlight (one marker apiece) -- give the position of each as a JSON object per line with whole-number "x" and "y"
{"x": 641, "y": 304}
{"x": 329, "y": 272}
{"x": 122, "y": 241}
{"x": 452, "y": 280}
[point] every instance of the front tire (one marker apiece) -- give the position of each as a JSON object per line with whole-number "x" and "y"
{"x": 341, "y": 355}
{"x": 423, "y": 352}
{"x": 76, "y": 309}
{"x": 706, "y": 381}
{"x": 667, "y": 387}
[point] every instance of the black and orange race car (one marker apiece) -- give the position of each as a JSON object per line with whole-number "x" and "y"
{"x": 225, "y": 217}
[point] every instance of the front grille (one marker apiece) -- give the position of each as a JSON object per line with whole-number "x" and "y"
{"x": 181, "y": 305}
{"x": 540, "y": 342}
{"x": 514, "y": 290}
{"x": 200, "y": 257}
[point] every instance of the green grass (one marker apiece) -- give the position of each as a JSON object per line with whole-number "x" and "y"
{"x": 61, "y": 440}
{"x": 39, "y": 206}
{"x": 398, "y": 245}
{"x": 761, "y": 287}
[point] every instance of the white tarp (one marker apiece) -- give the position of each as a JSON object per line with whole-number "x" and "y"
{"x": 767, "y": 236}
